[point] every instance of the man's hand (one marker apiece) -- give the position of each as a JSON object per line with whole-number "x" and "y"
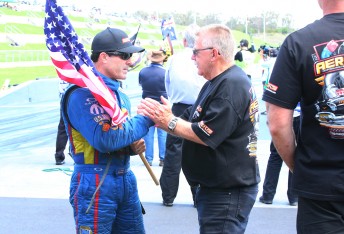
{"x": 138, "y": 146}
{"x": 160, "y": 114}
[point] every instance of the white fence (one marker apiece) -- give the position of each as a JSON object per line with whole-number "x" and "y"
{"x": 24, "y": 55}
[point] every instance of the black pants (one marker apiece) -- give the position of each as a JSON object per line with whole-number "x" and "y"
{"x": 319, "y": 217}
{"x": 61, "y": 140}
{"x": 169, "y": 179}
{"x": 273, "y": 171}
{"x": 225, "y": 210}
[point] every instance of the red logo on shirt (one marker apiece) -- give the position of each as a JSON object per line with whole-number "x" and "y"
{"x": 205, "y": 128}
{"x": 271, "y": 87}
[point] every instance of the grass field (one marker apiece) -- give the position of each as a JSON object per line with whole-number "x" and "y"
{"x": 149, "y": 34}
{"x": 19, "y": 75}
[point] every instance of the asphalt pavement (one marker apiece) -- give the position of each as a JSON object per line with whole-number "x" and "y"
{"x": 34, "y": 191}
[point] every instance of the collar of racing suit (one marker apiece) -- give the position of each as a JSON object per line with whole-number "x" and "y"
{"x": 112, "y": 84}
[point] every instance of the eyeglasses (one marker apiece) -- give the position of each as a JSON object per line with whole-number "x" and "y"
{"x": 122, "y": 55}
{"x": 196, "y": 51}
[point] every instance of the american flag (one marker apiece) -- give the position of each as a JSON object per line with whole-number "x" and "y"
{"x": 72, "y": 62}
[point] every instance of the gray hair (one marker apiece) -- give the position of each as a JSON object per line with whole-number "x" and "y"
{"x": 220, "y": 37}
{"x": 190, "y": 34}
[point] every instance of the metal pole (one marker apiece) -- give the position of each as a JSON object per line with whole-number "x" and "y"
{"x": 264, "y": 22}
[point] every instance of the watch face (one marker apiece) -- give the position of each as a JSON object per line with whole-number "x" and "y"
{"x": 172, "y": 124}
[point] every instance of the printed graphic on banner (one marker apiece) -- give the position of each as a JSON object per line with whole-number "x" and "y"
{"x": 168, "y": 28}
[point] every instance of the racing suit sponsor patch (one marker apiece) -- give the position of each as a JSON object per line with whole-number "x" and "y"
{"x": 106, "y": 127}
{"x": 96, "y": 109}
{"x": 101, "y": 118}
{"x": 85, "y": 230}
{"x": 205, "y": 128}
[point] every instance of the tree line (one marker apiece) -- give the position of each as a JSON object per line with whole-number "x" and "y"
{"x": 274, "y": 22}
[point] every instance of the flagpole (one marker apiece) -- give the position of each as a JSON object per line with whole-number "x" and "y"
{"x": 133, "y": 38}
{"x": 144, "y": 160}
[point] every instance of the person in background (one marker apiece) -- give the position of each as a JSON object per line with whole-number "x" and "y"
{"x": 273, "y": 170}
{"x": 61, "y": 137}
{"x": 306, "y": 59}
{"x": 152, "y": 81}
{"x": 244, "y": 58}
{"x": 268, "y": 57}
{"x": 103, "y": 189}
{"x": 220, "y": 127}
{"x": 182, "y": 86}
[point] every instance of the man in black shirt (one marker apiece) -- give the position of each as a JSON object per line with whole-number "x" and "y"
{"x": 309, "y": 68}
{"x": 220, "y": 135}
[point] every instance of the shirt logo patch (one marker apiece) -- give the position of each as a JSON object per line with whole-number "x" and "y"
{"x": 205, "y": 128}
{"x": 197, "y": 112}
{"x": 271, "y": 88}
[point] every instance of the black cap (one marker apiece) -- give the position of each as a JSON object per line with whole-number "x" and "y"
{"x": 244, "y": 42}
{"x": 112, "y": 39}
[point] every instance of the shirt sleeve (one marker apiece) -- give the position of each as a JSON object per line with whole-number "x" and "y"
{"x": 215, "y": 127}
{"x": 284, "y": 87}
{"x": 167, "y": 77}
{"x": 238, "y": 56}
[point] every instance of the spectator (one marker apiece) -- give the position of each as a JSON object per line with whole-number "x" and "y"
{"x": 220, "y": 134}
{"x": 103, "y": 190}
{"x": 61, "y": 137}
{"x": 268, "y": 56}
{"x": 152, "y": 81}
{"x": 307, "y": 58}
{"x": 244, "y": 58}
{"x": 182, "y": 85}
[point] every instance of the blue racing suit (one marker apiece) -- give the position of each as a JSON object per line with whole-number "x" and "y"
{"x": 115, "y": 207}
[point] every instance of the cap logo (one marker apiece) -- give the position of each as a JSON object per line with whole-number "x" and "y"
{"x": 124, "y": 40}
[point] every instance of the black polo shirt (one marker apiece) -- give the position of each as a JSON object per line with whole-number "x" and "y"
{"x": 225, "y": 117}
{"x": 309, "y": 69}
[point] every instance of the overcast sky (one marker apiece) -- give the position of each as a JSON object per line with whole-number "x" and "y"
{"x": 303, "y": 11}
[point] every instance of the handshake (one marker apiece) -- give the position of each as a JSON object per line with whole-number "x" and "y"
{"x": 159, "y": 113}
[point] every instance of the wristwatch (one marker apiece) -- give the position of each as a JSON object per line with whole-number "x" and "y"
{"x": 172, "y": 124}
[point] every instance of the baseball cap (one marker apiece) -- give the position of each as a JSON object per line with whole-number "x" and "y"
{"x": 244, "y": 42}
{"x": 113, "y": 39}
